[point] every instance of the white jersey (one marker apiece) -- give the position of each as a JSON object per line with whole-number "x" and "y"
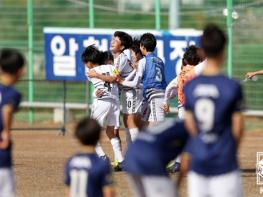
{"x": 134, "y": 78}
{"x": 123, "y": 64}
{"x": 110, "y": 90}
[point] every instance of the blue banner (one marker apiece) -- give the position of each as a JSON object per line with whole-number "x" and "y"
{"x": 63, "y": 48}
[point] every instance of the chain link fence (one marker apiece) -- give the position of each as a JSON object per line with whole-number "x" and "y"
{"x": 131, "y": 14}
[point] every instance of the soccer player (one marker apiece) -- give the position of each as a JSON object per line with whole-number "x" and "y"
{"x": 153, "y": 79}
{"x": 11, "y": 65}
{"x": 148, "y": 155}
{"x": 85, "y": 173}
{"x": 106, "y": 107}
{"x": 133, "y": 80}
{"x": 213, "y": 118}
{"x": 250, "y": 75}
{"x": 191, "y": 67}
{"x": 120, "y": 42}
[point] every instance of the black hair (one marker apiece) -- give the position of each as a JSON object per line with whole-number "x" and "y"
{"x": 88, "y": 131}
{"x": 213, "y": 40}
{"x": 91, "y": 54}
{"x": 148, "y": 40}
{"x": 126, "y": 39}
{"x": 136, "y": 47}
{"x": 11, "y": 60}
{"x": 106, "y": 56}
{"x": 191, "y": 56}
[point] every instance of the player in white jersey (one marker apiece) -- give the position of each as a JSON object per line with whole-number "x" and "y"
{"x": 105, "y": 108}
{"x": 133, "y": 80}
{"x": 119, "y": 43}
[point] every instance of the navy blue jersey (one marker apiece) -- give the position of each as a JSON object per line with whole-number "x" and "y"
{"x": 87, "y": 174}
{"x": 153, "y": 149}
{"x": 8, "y": 96}
{"x": 213, "y": 100}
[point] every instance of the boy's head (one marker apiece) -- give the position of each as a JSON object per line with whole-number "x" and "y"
{"x": 107, "y": 58}
{"x": 91, "y": 56}
{"x": 213, "y": 42}
{"x": 147, "y": 43}
{"x": 88, "y": 132}
{"x": 191, "y": 56}
{"x": 136, "y": 53}
{"x": 120, "y": 41}
{"x": 12, "y": 62}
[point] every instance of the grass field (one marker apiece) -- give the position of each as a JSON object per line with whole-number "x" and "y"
{"x": 39, "y": 157}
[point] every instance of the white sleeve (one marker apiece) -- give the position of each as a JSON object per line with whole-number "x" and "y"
{"x": 121, "y": 62}
{"x": 131, "y": 75}
{"x": 171, "y": 90}
{"x": 137, "y": 79}
{"x": 200, "y": 67}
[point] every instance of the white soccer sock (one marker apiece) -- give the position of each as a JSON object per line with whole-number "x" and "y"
{"x": 116, "y": 146}
{"x": 99, "y": 150}
{"x": 128, "y": 135}
{"x": 134, "y": 132}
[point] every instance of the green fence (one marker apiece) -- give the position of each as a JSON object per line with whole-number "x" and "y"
{"x": 15, "y": 24}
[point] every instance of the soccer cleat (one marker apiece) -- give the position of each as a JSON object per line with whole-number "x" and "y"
{"x": 117, "y": 166}
{"x": 173, "y": 167}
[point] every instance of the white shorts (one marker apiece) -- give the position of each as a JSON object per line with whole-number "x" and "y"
{"x": 106, "y": 112}
{"x": 181, "y": 111}
{"x": 156, "y": 113}
{"x": 152, "y": 186}
{"x": 226, "y": 185}
{"x": 7, "y": 183}
{"x": 131, "y": 101}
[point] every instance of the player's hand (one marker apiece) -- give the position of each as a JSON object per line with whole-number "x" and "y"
{"x": 249, "y": 75}
{"x": 134, "y": 65}
{"x": 99, "y": 93}
{"x": 119, "y": 79}
{"x": 166, "y": 108}
{"x": 92, "y": 74}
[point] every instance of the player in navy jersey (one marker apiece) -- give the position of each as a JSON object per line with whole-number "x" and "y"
{"x": 153, "y": 79}
{"x": 214, "y": 103}
{"x": 11, "y": 64}
{"x": 85, "y": 173}
{"x": 147, "y": 157}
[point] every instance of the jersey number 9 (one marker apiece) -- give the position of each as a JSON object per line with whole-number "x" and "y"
{"x": 204, "y": 111}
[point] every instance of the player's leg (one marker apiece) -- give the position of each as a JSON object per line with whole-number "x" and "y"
{"x": 197, "y": 185}
{"x": 130, "y": 109}
{"x": 227, "y": 185}
{"x": 113, "y": 120}
{"x": 157, "y": 114}
{"x": 99, "y": 112}
{"x": 7, "y": 182}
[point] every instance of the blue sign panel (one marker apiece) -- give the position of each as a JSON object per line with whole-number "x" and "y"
{"x": 63, "y": 48}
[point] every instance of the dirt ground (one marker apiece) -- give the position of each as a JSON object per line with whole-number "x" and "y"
{"x": 39, "y": 158}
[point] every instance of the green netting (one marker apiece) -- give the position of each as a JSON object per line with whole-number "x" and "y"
{"x": 134, "y": 14}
